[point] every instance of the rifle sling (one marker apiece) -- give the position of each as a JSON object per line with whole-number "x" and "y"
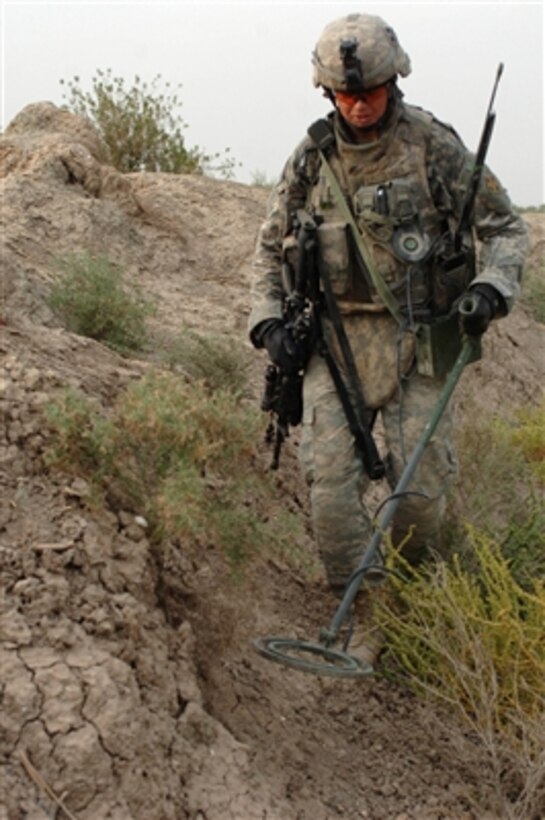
{"x": 360, "y": 418}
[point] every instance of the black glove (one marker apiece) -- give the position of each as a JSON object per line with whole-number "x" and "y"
{"x": 477, "y": 308}
{"x": 285, "y": 352}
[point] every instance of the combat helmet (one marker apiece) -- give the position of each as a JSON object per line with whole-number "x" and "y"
{"x": 358, "y": 52}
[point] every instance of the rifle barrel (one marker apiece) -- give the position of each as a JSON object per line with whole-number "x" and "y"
{"x": 476, "y": 174}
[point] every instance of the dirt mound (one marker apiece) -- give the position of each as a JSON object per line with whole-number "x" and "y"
{"x": 129, "y": 686}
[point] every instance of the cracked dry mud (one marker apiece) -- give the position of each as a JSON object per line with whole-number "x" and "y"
{"x": 129, "y": 686}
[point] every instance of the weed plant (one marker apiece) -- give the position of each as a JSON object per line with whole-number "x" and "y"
{"x": 475, "y": 640}
{"x": 533, "y": 293}
{"x": 477, "y": 643}
{"x": 259, "y": 179}
{"x": 531, "y": 209}
{"x": 221, "y": 363}
{"x": 90, "y": 298}
{"x": 470, "y": 631}
{"x": 527, "y": 435}
{"x": 141, "y": 125}
{"x": 502, "y": 488}
{"x": 180, "y": 454}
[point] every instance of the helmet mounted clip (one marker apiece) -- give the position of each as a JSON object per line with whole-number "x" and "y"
{"x": 353, "y": 73}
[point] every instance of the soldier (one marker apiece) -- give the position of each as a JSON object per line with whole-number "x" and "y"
{"x": 404, "y": 176}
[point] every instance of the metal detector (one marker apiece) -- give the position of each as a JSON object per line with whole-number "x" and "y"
{"x": 322, "y": 658}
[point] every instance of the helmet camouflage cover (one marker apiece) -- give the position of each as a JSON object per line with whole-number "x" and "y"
{"x": 357, "y": 52}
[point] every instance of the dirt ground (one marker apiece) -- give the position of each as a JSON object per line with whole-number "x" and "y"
{"x": 130, "y": 689}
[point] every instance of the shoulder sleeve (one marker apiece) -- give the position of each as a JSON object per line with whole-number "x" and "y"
{"x": 500, "y": 232}
{"x": 287, "y": 197}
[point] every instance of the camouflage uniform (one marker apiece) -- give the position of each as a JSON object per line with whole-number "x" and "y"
{"x": 422, "y": 165}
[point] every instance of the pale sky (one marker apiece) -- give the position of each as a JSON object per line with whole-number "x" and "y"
{"x": 246, "y": 73}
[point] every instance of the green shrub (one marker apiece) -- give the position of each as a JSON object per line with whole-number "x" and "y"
{"x": 180, "y": 455}
{"x": 81, "y": 436}
{"x": 502, "y": 488}
{"x": 449, "y": 623}
{"x": 260, "y": 180}
{"x": 470, "y": 631}
{"x": 527, "y": 435}
{"x": 141, "y": 125}
{"x": 475, "y": 641}
{"x": 533, "y": 293}
{"x": 90, "y": 299}
{"x": 531, "y": 209}
{"x": 221, "y": 362}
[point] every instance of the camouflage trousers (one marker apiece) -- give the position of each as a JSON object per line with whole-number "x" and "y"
{"x": 338, "y": 482}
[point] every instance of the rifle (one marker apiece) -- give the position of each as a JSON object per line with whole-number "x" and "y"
{"x": 283, "y": 398}
{"x": 482, "y": 150}
{"x": 456, "y": 258}
{"x": 283, "y": 393}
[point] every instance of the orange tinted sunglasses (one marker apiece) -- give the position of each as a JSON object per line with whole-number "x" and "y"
{"x": 370, "y": 96}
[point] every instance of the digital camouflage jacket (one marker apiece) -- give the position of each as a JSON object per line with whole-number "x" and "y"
{"x": 411, "y": 182}
{"x": 418, "y": 159}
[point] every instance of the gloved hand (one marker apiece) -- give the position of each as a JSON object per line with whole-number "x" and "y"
{"x": 284, "y": 351}
{"x": 477, "y": 308}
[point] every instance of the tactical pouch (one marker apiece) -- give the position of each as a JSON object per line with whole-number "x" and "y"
{"x": 388, "y": 215}
{"x": 438, "y": 346}
{"x": 452, "y": 273}
{"x": 335, "y": 252}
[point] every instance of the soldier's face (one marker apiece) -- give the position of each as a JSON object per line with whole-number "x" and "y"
{"x": 363, "y": 109}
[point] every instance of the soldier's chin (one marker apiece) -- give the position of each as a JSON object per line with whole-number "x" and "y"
{"x": 363, "y": 123}
{"x": 362, "y": 130}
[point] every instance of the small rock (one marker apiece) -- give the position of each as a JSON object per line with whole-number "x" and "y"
{"x": 79, "y": 488}
{"x": 15, "y": 432}
{"x": 40, "y": 657}
{"x": 39, "y": 399}
{"x": 14, "y": 629}
{"x": 125, "y": 518}
{"x": 134, "y": 532}
{"x": 31, "y": 379}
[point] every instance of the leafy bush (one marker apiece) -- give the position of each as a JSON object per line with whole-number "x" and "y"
{"x": 261, "y": 180}
{"x": 533, "y": 293}
{"x": 90, "y": 299}
{"x": 179, "y": 454}
{"x": 502, "y": 488}
{"x": 222, "y": 363}
{"x": 475, "y": 640}
{"x": 470, "y": 631}
{"x": 81, "y": 436}
{"x": 527, "y": 435}
{"x": 141, "y": 125}
{"x": 531, "y": 209}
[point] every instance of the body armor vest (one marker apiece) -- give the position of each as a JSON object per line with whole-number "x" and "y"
{"x": 386, "y": 184}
